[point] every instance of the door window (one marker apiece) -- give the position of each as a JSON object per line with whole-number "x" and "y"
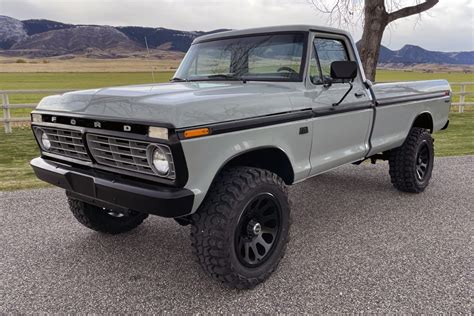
{"x": 329, "y": 50}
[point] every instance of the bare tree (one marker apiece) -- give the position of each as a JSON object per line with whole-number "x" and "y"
{"x": 377, "y": 15}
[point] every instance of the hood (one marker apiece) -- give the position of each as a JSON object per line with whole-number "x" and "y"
{"x": 181, "y": 104}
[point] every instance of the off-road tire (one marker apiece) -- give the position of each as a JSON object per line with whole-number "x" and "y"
{"x": 214, "y": 225}
{"x": 98, "y": 219}
{"x": 403, "y": 162}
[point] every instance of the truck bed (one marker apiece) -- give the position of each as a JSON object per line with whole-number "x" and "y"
{"x": 391, "y": 124}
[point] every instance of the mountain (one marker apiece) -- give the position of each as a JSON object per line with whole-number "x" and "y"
{"x": 77, "y": 40}
{"x": 42, "y": 38}
{"x": 411, "y": 54}
{"x": 157, "y": 37}
{"x": 33, "y": 27}
{"x": 11, "y": 31}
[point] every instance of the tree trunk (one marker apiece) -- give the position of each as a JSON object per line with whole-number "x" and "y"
{"x": 376, "y": 18}
{"x": 375, "y": 21}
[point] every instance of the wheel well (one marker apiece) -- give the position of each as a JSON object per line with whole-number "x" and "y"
{"x": 424, "y": 120}
{"x": 272, "y": 159}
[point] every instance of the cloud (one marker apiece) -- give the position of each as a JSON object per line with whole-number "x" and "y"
{"x": 447, "y": 27}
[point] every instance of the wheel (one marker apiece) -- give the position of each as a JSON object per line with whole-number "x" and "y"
{"x": 111, "y": 221}
{"x": 240, "y": 232}
{"x": 412, "y": 163}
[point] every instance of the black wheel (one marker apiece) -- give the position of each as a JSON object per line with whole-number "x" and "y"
{"x": 111, "y": 221}
{"x": 240, "y": 232}
{"x": 412, "y": 163}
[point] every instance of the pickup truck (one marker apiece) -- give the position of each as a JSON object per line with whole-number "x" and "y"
{"x": 247, "y": 113}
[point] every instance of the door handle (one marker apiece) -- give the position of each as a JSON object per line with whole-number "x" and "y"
{"x": 359, "y": 94}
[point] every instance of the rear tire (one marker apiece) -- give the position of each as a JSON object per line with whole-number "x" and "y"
{"x": 110, "y": 221}
{"x": 240, "y": 232}
{"x": 412, "y": 163}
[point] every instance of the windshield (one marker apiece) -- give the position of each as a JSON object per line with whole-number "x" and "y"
{"x": 275, "y": 57}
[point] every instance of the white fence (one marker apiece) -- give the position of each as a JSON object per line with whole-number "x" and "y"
{"x": 8, "y": 119}
{"x": 6, "y": 106}
{"x": 462, "y": 95}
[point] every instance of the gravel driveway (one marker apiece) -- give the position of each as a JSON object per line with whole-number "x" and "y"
{"x": 357, "y": 245}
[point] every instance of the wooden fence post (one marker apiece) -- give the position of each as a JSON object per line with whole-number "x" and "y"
{"x": 462, "y": 98}
{"x": 6, "y": 113}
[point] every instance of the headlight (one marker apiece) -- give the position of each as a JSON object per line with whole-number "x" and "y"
{"x": 159, "y": 160}
{"x": 45, "y": 140}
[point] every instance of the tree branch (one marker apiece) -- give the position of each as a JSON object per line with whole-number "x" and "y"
{"x": 407, "y": 11}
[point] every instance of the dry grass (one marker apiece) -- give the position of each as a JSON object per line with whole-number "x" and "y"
{"x": 80, "y": 64}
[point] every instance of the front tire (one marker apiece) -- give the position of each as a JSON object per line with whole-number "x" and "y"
{"x": 239, "y": 234}
{"x": 110, "y": 221}
{"x": 412, "y": 163}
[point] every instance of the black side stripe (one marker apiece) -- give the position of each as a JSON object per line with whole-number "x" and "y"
{"x": 280, "y": 118}
{"x": 405, "y": 99}
{"x": 232, "y": 126}
{"x": 337, "y": 110}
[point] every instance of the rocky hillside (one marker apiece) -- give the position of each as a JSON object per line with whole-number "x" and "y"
{"x": 42, "y": 38}
{"x": 33, "y": 27}
{"x": 11, "y": 31}
{"x": 77, "y": 40}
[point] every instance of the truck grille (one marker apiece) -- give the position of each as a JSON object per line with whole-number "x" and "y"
{"x": 120, "y": 153}
{"x": 67, "y": 143}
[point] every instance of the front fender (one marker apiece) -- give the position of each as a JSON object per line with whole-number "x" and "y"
{"x": 205, "y": 156}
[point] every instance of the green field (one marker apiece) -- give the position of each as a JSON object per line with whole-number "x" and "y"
{"x": 33, "y": 81}
{"x": 18, "y": 148}
{"x": 18, "y": 81}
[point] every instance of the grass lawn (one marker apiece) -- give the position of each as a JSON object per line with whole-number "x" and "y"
{"x": 18, "y": 148}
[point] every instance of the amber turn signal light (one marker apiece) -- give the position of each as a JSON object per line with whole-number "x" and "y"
{"x": 196, "y": 132}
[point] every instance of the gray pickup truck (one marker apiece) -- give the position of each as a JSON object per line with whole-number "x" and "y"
{"x": 247, "y": 113}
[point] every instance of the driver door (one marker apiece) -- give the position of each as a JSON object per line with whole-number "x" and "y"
{"x": 340, "y": 132}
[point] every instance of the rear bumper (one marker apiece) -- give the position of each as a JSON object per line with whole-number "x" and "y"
{"x": 109, "y": 190}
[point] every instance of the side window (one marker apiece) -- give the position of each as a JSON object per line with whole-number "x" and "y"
{"x": 329, "y": 50}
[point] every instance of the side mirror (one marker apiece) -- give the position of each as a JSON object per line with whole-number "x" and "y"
{"x": 345, "y": 70}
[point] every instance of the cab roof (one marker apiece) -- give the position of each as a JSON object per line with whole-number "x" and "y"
{"x": 270, "y": 29}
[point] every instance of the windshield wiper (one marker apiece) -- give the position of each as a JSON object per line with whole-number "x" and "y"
{"x": 223, "y": 76}
{"x": 176, "y": 79}
{"x": 226, "y": 77}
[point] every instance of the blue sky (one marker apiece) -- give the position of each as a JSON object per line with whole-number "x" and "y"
{"x": 447, "y": 27}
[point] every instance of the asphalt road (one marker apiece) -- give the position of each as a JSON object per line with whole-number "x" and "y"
{"x": 357, "y": 245}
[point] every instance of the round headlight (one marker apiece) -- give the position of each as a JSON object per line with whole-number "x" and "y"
{"x": 45, "y": 140}
{"x": 160, "y": 161}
